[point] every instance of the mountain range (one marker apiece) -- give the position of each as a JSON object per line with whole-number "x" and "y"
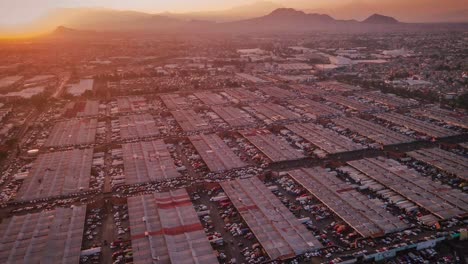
{"x": 85, "y": 21}
{"x": 280, "y": 20}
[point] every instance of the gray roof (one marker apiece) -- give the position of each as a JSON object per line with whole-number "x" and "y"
{"x": 53, "y": 236}
{"x": 166, "y": 228}
{"x": 279, "y": 232}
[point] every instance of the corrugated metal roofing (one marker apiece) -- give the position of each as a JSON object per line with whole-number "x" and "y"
{"x": 210, "y": 98}
{"x": 326, "y": 139}
{"x": 72, "y": 132}
{"x": 216, "y": 154}
{"x": 417, "y": 125}
{"x": 279, "y": 232}
{"x": 137, "y": 126}
{"x": 190, "y": 121}
{"x": 373, "y": 131}
{"x": 165, "y": 229}
{"x": 443, "y": 160}
{"x": 441, "y": 200}
{"x": 58, "y": 173}
{"x": 53, "y": 236}
{"x": 366, "y": 216}
{"x": 147, "y": 162}
{"x": 234, "y": 116}
{"x": 275, "y": 148}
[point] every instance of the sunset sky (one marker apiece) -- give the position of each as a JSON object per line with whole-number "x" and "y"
{"x": 20, "y": 12}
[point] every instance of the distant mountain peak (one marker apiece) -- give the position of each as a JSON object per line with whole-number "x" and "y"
{"x": 380, "y": 19}
{"x": 65, "y": 30}
{"x": 293, "y": 14}
{"x": 68, "y": 32}
{"x": 287, "y": 12}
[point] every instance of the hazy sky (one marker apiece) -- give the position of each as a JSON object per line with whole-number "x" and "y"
{"x": 14, "y": 12}
{"x": 23, "y": 11}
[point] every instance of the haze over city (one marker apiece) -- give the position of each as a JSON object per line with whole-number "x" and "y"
{"x": 26, "y": 17}
{"x": 233, "y": 132}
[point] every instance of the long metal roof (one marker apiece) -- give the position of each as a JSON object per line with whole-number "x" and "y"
{"x": 275, "y": 148}
{"x": 373, "y": 131}
{"x": 190, "y": 121}
{"x": 72, "y": 132}
{"x": 234, "y": 116}
{"x": 441, "y": 200}
{"x": 443, "y": 160}
{"x": 148, "y": 161}
{"x": 58, "y": 173}
{"x": 279, "y": 232}
{"x": 367, "y": 216}
{"x": 137, "y": 126}
{"x": 216, "y": 154}
{"x": 417, "y": 125}
{"x": 53, "y": 236}
{"x": 326, "y": 139}
{"x": 165, "y": 228}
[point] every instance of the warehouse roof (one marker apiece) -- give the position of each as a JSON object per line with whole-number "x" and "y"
{"x": 58, "y": 173}
{"x": 165, "y": 228}
{"x": 52, "y": 236}
{"x": 417, "y": 125}
{"x": 216, "y": 154}
{"x": 147, "y": 162}
{"x": 372, "y": 130}
{"x": 441, "y": 200}
{"x": 326, "y": 139}
{"x": 443, "y": 160}
{"x": 72, "y": 132}
{"x": 367, "y": 216}
{"x": 279, "y": 232}
{"x": 275, "y": 148}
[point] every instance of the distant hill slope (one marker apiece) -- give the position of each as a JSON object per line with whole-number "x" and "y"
{"x": 281, "y": 20}
{"x": 380, "y": 19}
